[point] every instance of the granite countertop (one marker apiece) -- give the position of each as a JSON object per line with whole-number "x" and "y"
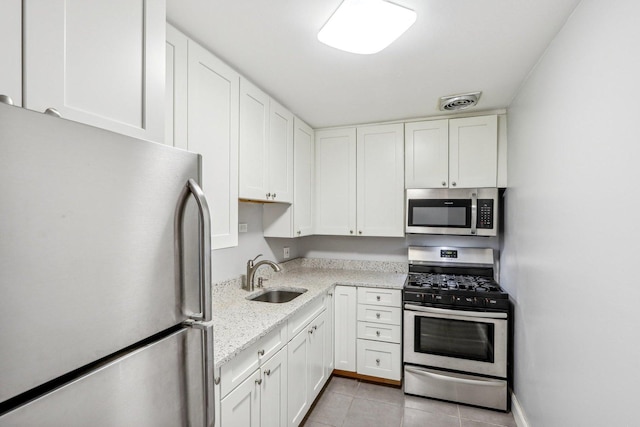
{"x": 238, "y": 322}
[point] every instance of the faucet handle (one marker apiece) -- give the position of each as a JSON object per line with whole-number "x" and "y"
{"x": 251, "y": 261}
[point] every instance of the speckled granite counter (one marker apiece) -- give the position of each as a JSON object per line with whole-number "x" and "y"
{"x": 238, "y": 322}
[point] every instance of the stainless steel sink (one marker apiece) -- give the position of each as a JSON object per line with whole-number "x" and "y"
{"x": 277, "y": 295}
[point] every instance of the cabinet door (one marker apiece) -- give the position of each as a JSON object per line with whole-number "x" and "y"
{"x": 380, "y": 179}
{"x": 304, "y": 170}
{"x": 297, "y": 380}
{"x": 473, "y": 152}
{"x": 11, "y": 50}
{"x": 336, "y": 182}
{"x": 329, "y": 339}
{"x": 273, "y": 391}
{"x": 427, "y": 154}
{"x": 296, "y": 220}
{"x": 99, "y": 63}
{"x": 280, "y": 152}
{"x": 254, "y": 134}
{"x": 213, "y": 132}
{"x": 316, "y": 368}
{"x": 345, "y": 313}
{"x": 175, "y": 117}
{"x": 241, "y": 407}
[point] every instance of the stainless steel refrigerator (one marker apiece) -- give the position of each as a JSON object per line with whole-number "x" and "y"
{"x": 104, "y": 279}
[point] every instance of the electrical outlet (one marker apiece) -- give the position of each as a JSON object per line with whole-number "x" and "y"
{"x": 286, "y": 252}
{"x": 242, "y": 228}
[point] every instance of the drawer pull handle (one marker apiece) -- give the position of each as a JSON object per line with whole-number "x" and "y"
{"x": 310, "y": 331}
{"x": 267, "y": 372}
{"x": 378, "y": 333}
{"x": 377, "y": 315}
{"x": 216, "y": 380}
{"x": 261, "y": 353}
{"x": 378, "y": 297}
{"x": 259, "y": 381}
{"x": 378, "y": 362}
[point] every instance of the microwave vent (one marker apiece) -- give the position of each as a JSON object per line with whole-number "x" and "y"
{"x": 459, "y": 102}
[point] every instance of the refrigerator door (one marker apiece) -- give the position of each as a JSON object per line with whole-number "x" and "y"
{"x": 87, "y": 257}
{"x": 160, "y": 384}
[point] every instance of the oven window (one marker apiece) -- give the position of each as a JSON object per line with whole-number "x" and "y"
{"x": 454, "y": 338}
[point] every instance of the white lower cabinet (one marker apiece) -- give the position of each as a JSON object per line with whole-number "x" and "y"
{"x": 345, "y": 317}
{"x": 307, "y": 373}
{"x": 379, "y": 359}
{"x": 261, "y": 399}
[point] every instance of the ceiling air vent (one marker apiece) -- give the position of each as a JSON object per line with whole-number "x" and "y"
{"x": 459, "y": 102}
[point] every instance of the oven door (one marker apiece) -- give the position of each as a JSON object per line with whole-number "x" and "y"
{"x": 459, "y": 340}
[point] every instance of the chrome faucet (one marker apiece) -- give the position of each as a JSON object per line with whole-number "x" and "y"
{"x": 251, "y": 270}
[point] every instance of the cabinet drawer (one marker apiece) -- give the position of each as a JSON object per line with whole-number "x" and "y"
{"x": 380, "y": 296}
{"x": 234, "y": 372}
{"x": 379, "y": 314}
{"x": 379, "y": 359}
{"x": 379, "y": 332}
{"x": 298, "y": 321}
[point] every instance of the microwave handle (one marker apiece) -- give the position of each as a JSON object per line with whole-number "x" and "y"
{"x": 474, "y": 212}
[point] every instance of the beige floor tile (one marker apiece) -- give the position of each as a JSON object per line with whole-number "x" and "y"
{"x": 368, "y": 413}
{"x": 380, "y": 393}
{"x": 341, "y": 385}
{"x": 331, "y": 409}
{"x": 431, "y": 405}
{"x": 487, "y": 416}
{"x": 417, "y": 418}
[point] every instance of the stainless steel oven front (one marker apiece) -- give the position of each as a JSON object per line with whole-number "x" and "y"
{"x": 466, "y": 341}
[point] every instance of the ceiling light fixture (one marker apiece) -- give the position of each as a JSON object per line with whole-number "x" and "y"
{"x": 366, "y": 26}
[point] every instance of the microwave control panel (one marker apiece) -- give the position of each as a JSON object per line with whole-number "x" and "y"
{"x": 485, "y": 213}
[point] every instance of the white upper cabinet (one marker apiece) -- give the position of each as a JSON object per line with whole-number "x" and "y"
{"x": 380, "y": 189}
{"x": 176, "y": 92}
{"x": 11, "y": 50}
{"x": 295, "y": 220}
{"x": 201, "y": 105}
{"x": 360, "y": 181}
{"x": 455, "y": 153}
{"x": 336, "y": 182}
{"x": 473, "y": 152}
{"x": 101, "y": 63}
{"x": 266, "y": 147}
{"x": 427, "y": 154}
{"x": 213, "y": 98}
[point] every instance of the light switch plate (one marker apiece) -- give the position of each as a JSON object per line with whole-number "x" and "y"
{"x": 242, "y": 228}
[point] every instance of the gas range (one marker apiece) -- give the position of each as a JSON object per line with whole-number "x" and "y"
{"x": 454, "y": 278}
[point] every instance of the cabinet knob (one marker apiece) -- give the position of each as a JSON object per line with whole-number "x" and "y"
{"x": 378, "y": 297}
{"x": 273, "y": 196}
{"x": 378, "y": 362}
{"x": 377, "y": 315}
{"x": 267, "y": 372}
{"x": 268, "y": 195}
{"x": 53, "y": 112}
{"x": 330, "y": 294}
{"x": 261, "y": 353}
{"x": 350, "y": 231}
{"x": 444, "y": 183}
{"x": 6, "y": 99}
{"x": 377, "y": 333}
{"x": 299, "y": 232}
{"x": 310, "y": 331}
{"x": 259, "y": 381}
{"x": 453, "y": 183}
{"x": 360, "y": 232}
{"x": 315, "y": 327}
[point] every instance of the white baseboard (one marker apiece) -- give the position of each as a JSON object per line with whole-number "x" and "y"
{"x": 518, "y": 413}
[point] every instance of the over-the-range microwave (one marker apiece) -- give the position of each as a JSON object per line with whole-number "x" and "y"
{"x": 460, "y": 211}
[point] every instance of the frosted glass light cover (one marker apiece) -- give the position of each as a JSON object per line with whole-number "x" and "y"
{"x": 366, "y": 26}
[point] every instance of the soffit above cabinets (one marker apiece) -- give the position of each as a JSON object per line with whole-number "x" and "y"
{"x": 454, "y": 47}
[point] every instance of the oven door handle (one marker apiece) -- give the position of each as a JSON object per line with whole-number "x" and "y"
{"x": 478, "y": 314}
{"x": 483, "y": 382}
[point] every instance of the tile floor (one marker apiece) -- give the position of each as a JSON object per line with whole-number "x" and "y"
{"x": 351, "y": 403}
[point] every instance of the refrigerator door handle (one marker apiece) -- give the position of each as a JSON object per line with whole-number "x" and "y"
{"x": 209, "y": 380}
{"x": 192, "y": 188}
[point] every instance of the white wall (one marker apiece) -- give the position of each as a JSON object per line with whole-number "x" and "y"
{"x": 571, "y": 252}
{"x": 231, "y": 263}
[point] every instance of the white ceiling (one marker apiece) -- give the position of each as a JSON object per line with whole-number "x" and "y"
{"x": 455, "y": 46}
